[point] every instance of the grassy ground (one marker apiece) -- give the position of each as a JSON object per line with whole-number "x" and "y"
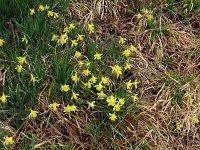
{"x": 162, "y": 107}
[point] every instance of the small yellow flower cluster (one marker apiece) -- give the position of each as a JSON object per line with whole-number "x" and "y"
{"x": 21, "y": 61}
{"x": 145, "y": 12}
{"x": 42, "y": 8}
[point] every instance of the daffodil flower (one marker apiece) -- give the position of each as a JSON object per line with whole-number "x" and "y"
{"x": 117, "y": 70}
{"x": 104, "y": 80}
{"x": 135, "y": 83}
{"x": 67, "y": 109}
{"x": 88, "y": 84}
{"x": 50, "y": 13}
{"x": 21, "y": 60}
{"x": 25, "y": 39}
{"x": 3, "y": 98}
{"x": 101, "y": 95}
{"x": 179, "y": 126}
{"x": 128, "y": 66}
{"x": 19, "y": 68}
{"x": 75, "y": 78}
{"x": 149, "y": 18}
{"x": 65, "y": 88}
{"x": 91, "y": 105}
{"x": 121, "y": 101}
{"x": 195, "y": 120}
{"x": 111, "y": 100}
{"x": 54, "y": 37}
{"x": 9, "y": 140}
{"x": 33, "y": 114}
{"x": 56, "y": 15}
{"x": 41, "y": 8}
{"x": 122, "y": 40}
{"x": 117, "y": 107}
{"x": 134, "y": 97}
{"x": 77, "y": 54}
{"x": 129, "y": 84}
{"x": 1, "y": 42}
{"x": 112, "y": 117}
{"x": 34, "y": 79}
{"x": 138, "y": 16}
{"x": 86, "y": 72}
{"x": 32, "y": 11}
{"x": 97, "y": 56}
{"x": 127, "y": 53}
{"x": 74, "y": 43}
{"x": 93, "y": 79}
{"x": 74, "y": 96}
{"x": 99, "y": 87}
{"x": 132, "y": 48}
{"x": 54, "y": 106}
{"x": 91, "y": 28}
{"x": 80, "y": 37}
{"x": 71, "y": 26}
{"x": 73, "y": 108}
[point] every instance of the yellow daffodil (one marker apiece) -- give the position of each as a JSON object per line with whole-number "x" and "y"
{"x": 25, "y": 39}
{"x": 54, "y": 37}
{"x": 127, "y": 66}
{"x": 122, "y": 40}
{"x": 9, "y": 140}
{"x": 104, "y": 80}
{"x": 179, "y": 126}
{"x": 101, "y": 95}
{"x": 93, "y": 79}
{"x": 97, "y": 56}
{"x": 129, "y": 84}
{"x": 74, "y": 43}
{"x": 34, "y": 79}
{"x": 77, "y": 54}
{"x": 67, "y": 109}
{"x": 121, "y": 101}
{"x": 117, "y": 70}
{"x": 145, "y": 11}
{"x": 132, "y": 48}
{"x": 88, "y": 84}
{"x": 117, "y": 107}
{"x": 32, "y": 11}
{"x": 86, "y": 72}
{"x": 149, "y": 18}
{"x": 135, "y": 83}
{"x": 75, "y": 78}
{"x": 88, "y": 63}
{"x": 80, "y": 37}
{"x": 3, "y": 98}
{"x": 33, "y": 114}
{"x": 195, "y": 120}
{"x": 74, "y": 96}
{"x": 21, "y": 60}
{"x": 1, "y": 42}
{"x": 71, "y": 26}
{"x": 111, "y": 100}
{"x": 99, "y": 87}
{"x": 56, "y": 15}
{"x": 112, "y": 117}
{"x": 127, "y": 53}
{"x": 65, "y": 88}
{"x": 19, "y": 68}
{"x": 54, "y": 106}
{"x": 134, "y": 97}
{"x": 73, "y": 108}
{"x": 138, "y": 16}
{"x": 80, "y": 63}
{"x": 63, "y": 39}
{"x": 91, "y": 105}
{"x": 91, "y": 28}
{"x": 41, "y": 8}
{"x": 50, "y": 13}
{"x": 66, "y": 30}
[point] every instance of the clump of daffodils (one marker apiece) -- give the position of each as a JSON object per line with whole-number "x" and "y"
{"x": 86, "y": 86}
